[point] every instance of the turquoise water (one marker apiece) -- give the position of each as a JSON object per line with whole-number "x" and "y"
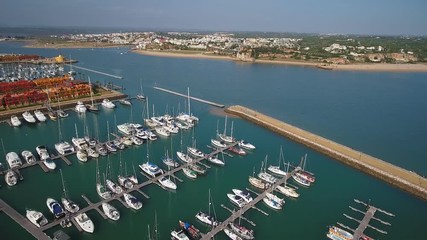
{"x": 382, "y": 114}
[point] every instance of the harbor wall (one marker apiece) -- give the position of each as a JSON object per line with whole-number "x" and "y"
{"x": 401, "y": 178}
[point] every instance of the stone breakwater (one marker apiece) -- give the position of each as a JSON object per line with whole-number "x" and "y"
{"x": 406, "y": 180}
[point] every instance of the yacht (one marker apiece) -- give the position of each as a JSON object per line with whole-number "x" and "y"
{"x": 113, "y": 187}
{"x": 101, "y": 149}
{"x": 14, "y": 120}
{"x": 61, "y": 113}
{"x": 28, "y": 117}
{"x": 336, "y": 233}
{"x": 171, "y": 128}
{"x": 246, "y": 145}
{"x": 28, "y": 156}
{"x": 52, "y": 115}
{"x": 190, "y": 230}
{"x": 81, "y": 155}
{"x": 110, "y": 147}
{"x": 42, "y": 152}
{"x": 132, "y": 201}
{"x": 126, "y": 128}
{"x": 111, "y": 212}
{"x": 92, "y": 153}
{"x": 108, "y": 104}
{"x": 136, "y": 140}
{"x": 179, "y": 235}
{"x": 215, "y": 160}
{"x": 64, "y": 148}
{"x": 242, "y": 231}
{"x": 307, "y": 176}
{"x": 169, "y": 161}
{"x": 195, "y": 152}
{"x": 257, "y": 183}
{"x": 206, "y": 218}
{"x": 231, "y": 234}
{"x": 287, "y": 191}
{"x": 267, "y": 177}
{"x": 11, "y": 178}
{"x": 281, "y": 201}
{"x": 238, "y": 201}
{"x": 297, "y": 177}
{"x": 218, "y": 144}
{"x": 125, "y": 102}
{"x": 40, "y": 116}
{"x": 80, "y": 107}
{"x": 140, "y": 97}
{"x": 55, "y": 208}
{"x": 119, "y": 144}
{"x": 167, "y": 183}
{"x": 271, "y": 203}
{"x": 161, "y": 131}
{"x": 126, "y": 141}
{"x": 189, "y": 173}
{"x": 69, "y": 205}
{"x": 84, "y": 222}
{"x": 13, "y": 160}
{"x": 125, "y": 182}
{"x": 182, "y": 125}
{"x": 196, "y": 168}
{"x": 92, "y": 108}
{"x": 37, "y": 218}
{"x": 237, "y": 150}
{"x": 79, "y": 143}
{"x": 276, "y": 170}
{"x": 102, "y": 191}
{"x": 184, "y": 157}
{"x": 151, "y": 169}
{"x": 245, "y": 195}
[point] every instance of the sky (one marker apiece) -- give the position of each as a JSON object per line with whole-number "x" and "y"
{"x": 378, "y": 17}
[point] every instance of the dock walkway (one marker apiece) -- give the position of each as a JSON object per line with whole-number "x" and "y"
{"x": 248, "y": 206}
{"x": 194, "y": 98}
{"x": 406, "y": 180}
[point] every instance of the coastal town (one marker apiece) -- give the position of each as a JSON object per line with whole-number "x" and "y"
{"x": 323, "y": 50}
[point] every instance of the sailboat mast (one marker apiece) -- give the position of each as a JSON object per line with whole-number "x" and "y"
{"x": 231, "y": 129}
{"x": 225, "y": 126}
{"x": 91, "y": 92}
{"x": 59, "y": 130}
{"x": 188, "y": 99}
{"x": 77, "y": 134}
{"x": 63, "y": 184}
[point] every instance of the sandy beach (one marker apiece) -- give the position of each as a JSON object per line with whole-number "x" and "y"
{"x": 182, "y": 54}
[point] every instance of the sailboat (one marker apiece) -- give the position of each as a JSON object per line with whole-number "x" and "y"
{"x": 188, "y": 117}
{"x": 286, "y": 190}
{"x": 100, "y": 187}
{"x": 148, "y": 121}
{"x": 141, "y": 95}
{"x": 256, "y": 182}
{"x": 276, "y": 169}
{"x": 63, "y": 147}
{"x": 167, "y": 182}
{"x": 111, "y": 212}
{"x": 207, "y": 218}
{"x": 223, "y": 136}
{"x": 308, "y": 176}
{"x": 10, "y": 177}
{"x": 169, "y": 161}
{"x": 91, "y": 107}
{"x": 115, "y": 188}
{"x": 122, "y": 178}
{"x": 69, "y": 205}
{"x": 264, "y": 175}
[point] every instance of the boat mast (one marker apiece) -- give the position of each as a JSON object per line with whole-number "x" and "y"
{"x": 225, "y": 126}
{"x": 63, "y": 184}
{"x": 75, "y": 128}
{"x": 232, "y": 122}
{"x": 59, "y": 131}
{"x": 188, "y": 99}
{"x": 108, "y": 131}
{"x": 91, "y": 93}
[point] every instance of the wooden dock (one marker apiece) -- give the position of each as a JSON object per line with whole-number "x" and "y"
{"x": 406, "y": 180}
{"x": 21, "y": 220}
{"x": 194, "y": 98}
{"x": 364, "y": 223}
{"x": 235, "y": 215}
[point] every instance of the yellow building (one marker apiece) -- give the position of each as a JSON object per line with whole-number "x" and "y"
{"x": 59, "y": 59}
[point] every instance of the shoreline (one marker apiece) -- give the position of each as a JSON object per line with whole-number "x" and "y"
{"x": 360, "y": 67}
{"x": 36, "y": 44}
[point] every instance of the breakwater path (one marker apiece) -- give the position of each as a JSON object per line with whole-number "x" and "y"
{"x": 394, "y": 175}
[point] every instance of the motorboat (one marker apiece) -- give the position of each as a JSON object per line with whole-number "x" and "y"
{"x": 196, "y": 168}
{"x": 69, "y": 205}
{"x": 113, "y": 187}
{"x": 281, "y": 201}
{"x": 246, "y": 145}
{"x": 11, "y": 178}
{"x": 125, "y": 102}
{"x": 184, "y": 157}
{"x": 81, "y": 155}
{"x": 140, "y": 97}
{"x": 84, "y": 222}
{"x": 271, "y": 203}
{"x": 132, "y": 201}
{"x": 161, "y": 131}
{"x": 55, "y": 208}
{"x": 267, "y": 177}
{"x": 237, "y": 150}
{"x": 108, "y": 104}
{"x": 52, "y": 115}
{"x": 231, "y": 234}
{"x": 49, "y": 163}
{"x": 64, "y": 148}
{"x": 28, "y": 156}
{"x": 167, "y": 183}
{"x": 195, "y": 152}
{"x": 258, "y": 183}
{"x": 80, "y": 107}
{"x": 297, "y": 177}
{"x": 151, "y": 169}
{"x": 190, "y": 230}
{"x": 102, "y": 191}
{"x": 13, "y": 160}
{"x": 150, "y": 135}
{"x": 216, "y": 160}
{"x": 206, "y": 218}
{"x": 218, "y": 144}
{"x": 40, "y": 116}
{"x": 179, "y": 235}
{"x": 61, "y": 113}
{"x": 28, "y": 117}
{"x": 37, "y": 218}
{"x": 111, "y": 212}
{"x": 189, "y": 173}
{"x": 245, "y": 195}
{"x": 287, "y": 191}
{"x": 136, "y": 140}
{"x": 42, "y": 152}
{"x": 336, "y": 233}
{"x": 242, "y": 231}
{"x": 14, "y": 120}
{"x": 237, "y": 200}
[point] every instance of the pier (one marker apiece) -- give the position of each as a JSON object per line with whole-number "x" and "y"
{"x": 194, "y": 98}
{"x": 94, "y": 71}
{"x": 236, "y": 214}
{"x": 396, "y": 176}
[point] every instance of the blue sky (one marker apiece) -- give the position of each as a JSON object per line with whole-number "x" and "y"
{"x": 391, "y": 17}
